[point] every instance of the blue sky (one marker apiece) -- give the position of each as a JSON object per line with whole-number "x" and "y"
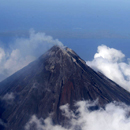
{"x": 80, "y": 24}
{"x": 110, "y": 16}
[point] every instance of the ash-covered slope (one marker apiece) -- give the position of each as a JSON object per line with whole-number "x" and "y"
{"x": 58, "y": 77}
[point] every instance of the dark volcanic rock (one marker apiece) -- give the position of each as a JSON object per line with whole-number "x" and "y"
{"x": 58, "y": 77}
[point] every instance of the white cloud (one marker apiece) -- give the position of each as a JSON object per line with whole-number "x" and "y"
{"x": 24, "y": 50}
{"x": 2, "y": 54}
{"x": 8, "y": 97}
{"x": 37, "y": 124}
{"x": 66, "y": 112}
{"x": 110, "y": 54}
{"x": 109, "y": 61}
{"x": 113, "y": 117}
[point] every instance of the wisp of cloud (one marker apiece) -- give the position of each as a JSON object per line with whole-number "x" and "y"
{"x": 24, "y": 50}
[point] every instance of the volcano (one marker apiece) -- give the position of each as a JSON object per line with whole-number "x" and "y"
{"x": 56, "y": 78}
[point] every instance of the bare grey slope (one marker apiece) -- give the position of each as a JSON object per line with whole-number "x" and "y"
{"x": 58, "y": 77}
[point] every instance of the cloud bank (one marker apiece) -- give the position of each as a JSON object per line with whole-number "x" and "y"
{"x": 113, "y": 117}
{"x": 24, "y": 50}
{"x": 8, "y": 96}
{"x": 109, "y": 61}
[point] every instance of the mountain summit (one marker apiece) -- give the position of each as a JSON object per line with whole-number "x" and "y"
{"x": 56, "y": 78}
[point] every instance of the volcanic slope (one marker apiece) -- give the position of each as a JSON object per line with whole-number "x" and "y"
{"x": 58, "y": 77}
